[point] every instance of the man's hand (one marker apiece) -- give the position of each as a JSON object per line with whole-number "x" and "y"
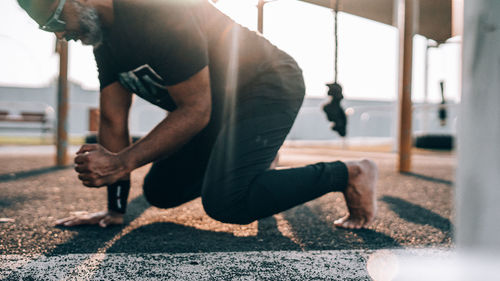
{"x": 103, "y": 218}
{"x": 97, "y": 166}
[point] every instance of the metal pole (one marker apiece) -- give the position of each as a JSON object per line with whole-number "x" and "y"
{"x": 407, "y": 30}
{"x": 62, "y": 105}
{"x": 398, "y": 21}
{"x": 426, "y": 89}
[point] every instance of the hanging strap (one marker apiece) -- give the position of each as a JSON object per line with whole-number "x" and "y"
{"x": 335, "y": 10}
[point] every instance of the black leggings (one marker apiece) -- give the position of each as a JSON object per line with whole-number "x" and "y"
{"x": 232, "y": 175}
{"x": 228, "y": 164}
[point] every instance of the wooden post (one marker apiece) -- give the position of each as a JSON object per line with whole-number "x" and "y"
{"x": 62, "y": 105}
{"x": 407, "y": 30}
{"x": 94, "y": 116}
{"x": 260, "y": 19}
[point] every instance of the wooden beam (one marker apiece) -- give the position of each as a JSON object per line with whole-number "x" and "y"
{"x": 434, "y": 15}
{"x": 407, "y": 31}
{"x": 62, "y": 105}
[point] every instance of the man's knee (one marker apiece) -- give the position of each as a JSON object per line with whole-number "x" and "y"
{"x": 226, "y": 211}
{"x": 157, "y": 196}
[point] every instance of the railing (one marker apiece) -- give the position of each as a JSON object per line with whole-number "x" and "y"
{"x": 373, "y": 123}
{"x": 425, "y": 116}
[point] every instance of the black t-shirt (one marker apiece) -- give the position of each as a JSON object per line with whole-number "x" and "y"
{"x": 153, "y": 43}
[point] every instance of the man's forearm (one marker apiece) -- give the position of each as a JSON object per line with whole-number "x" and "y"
{"x": 167, "y": 137}
{"x": 114, "y": 138}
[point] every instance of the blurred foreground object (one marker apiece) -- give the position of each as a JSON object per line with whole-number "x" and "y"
{"x": 478, "y": 177}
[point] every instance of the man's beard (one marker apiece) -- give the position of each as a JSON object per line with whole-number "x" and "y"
{"x": 90, "y": 25}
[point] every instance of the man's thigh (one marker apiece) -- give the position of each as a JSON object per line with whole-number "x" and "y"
{"x": 245, "y": 148}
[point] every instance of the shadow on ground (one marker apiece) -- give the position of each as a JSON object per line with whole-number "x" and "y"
{"x": 167, "y": 237}
{"x": 321, "y": 234}
{"x": 13, "y": 176}
{"x": 91, "y": 238}
{"x": 428, "y": 178}
{"x": 413, "y": 213}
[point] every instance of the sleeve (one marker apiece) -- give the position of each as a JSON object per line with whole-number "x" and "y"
{"x": 178, "y": 46}
{"x": 106, "y": 67}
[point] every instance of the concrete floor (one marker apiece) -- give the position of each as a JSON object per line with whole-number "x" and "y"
{"x": 415, "y": 211}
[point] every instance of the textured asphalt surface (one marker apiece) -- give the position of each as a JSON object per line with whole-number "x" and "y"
{"x": 415, "y": 210}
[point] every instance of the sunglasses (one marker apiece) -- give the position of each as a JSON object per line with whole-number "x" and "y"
{"x": 54, "y": 24}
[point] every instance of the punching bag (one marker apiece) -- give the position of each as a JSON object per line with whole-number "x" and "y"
{"x": 334, "y": 111}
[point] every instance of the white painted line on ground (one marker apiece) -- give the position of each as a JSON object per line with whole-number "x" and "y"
{"x": 267, "y": 265}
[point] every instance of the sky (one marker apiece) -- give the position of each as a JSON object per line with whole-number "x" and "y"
{"x": 368, "y": 51}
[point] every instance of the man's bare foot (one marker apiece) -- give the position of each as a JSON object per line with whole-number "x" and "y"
{"x": 360, "y": 195}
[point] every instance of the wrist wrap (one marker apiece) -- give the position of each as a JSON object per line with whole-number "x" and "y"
{"x": 118, "y": 195}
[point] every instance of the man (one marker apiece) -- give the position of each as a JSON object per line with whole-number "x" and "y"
{"x": 232, "y": 98}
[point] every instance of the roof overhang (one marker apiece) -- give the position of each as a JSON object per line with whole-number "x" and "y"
{"x": 434, "y": 16}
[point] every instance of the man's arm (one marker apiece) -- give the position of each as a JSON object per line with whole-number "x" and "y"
{"x": 113, "y": 134}
{"x": 98, "y": 167}
{"x": 115, "y": 104}
{"x": 194, "y": 103}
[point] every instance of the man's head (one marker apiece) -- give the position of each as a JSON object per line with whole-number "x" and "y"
{"x": 68, "y": 19}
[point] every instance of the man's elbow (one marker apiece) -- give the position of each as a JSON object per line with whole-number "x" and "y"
{"x": 199, "y": 113}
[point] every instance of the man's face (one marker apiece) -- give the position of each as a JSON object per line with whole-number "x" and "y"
{"x": 74, "y": 20}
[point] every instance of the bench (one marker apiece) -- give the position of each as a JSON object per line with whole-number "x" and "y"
{"x": 16, "y": 116}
